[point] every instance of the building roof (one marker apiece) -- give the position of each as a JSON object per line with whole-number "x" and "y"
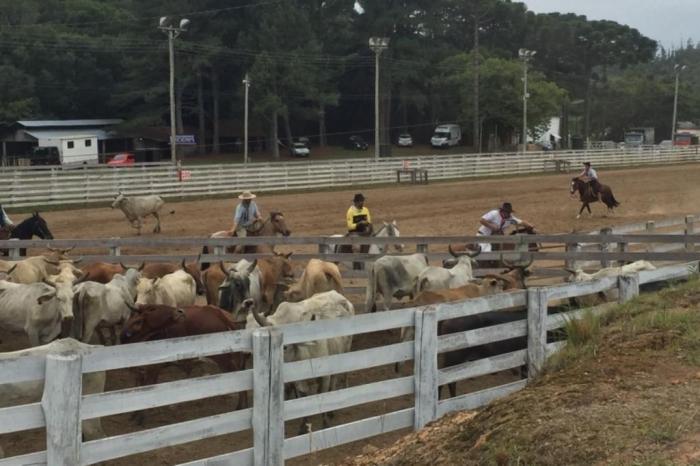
{"x": 67, "y": 133}
{"x": 68, "y": 123}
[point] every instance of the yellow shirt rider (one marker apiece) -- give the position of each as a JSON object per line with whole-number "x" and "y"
{"x": 358, "y": 217}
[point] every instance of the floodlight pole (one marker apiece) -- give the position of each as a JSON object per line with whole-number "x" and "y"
{"x": 378, "y": 45}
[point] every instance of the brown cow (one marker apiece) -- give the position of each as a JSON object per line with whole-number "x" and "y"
{"x": 102, "y": 272}
{"x": 161, "y": 269}
{"x": 157, "y": 322}
{"x": 318, "y": 276}
{"x": 488, "y": 286}
{"x": 213, "y": 277}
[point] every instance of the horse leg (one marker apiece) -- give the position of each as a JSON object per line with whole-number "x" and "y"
{"x": 157, "y": 227}
{"x": 583, "y": 206}
{"x": 588, "y": 206}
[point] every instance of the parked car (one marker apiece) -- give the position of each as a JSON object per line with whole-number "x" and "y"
{"x": 122, "y": 159}
{"x": 666, "y": 144}
{"x": 299, "y": 149}
{"x": 356, "y": 143}
{"x": 405, "y": 140}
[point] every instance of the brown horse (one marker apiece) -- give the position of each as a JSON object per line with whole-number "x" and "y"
{"x": 274, "y": 225}
{"x": 587, "y": 196}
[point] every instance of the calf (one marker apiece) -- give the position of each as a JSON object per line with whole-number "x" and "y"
{"x": 318, "y": 276}
{"x": 137, "y": 207}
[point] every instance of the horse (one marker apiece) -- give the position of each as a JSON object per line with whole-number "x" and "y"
{"x": 274, "y": 225}
{"x": 27, "y": 229}
{"x": 387, "y": 230}
{"x": 587, "y": 196}
{"x": 496, "y": 247}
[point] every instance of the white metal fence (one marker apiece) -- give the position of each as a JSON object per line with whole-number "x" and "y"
{"x": 62, "y": 410}
{"x": 54, "y": 186}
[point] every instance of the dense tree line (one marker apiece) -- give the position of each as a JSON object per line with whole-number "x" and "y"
{"x": 312, "y": 71}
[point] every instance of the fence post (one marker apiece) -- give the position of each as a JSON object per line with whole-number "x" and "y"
{"x": 629, "y": 287}
{"x": 324, "y": 249}
{"x": 570, "y": 264}
{"x": 14, "y": 252}
{"x": 63, "y": 386}
{"x": 621, "y": 248}
{"x": 651, "y": 226}
{"x": 422, "y": 248}
{"x": 536, "y": 330}
{"x": 268, "y": 398}
{"x": 605, "y": 246}
{"x": 689, "y": 230}
{"x": 425, "y": 368}
{"x": 115, "y": 250}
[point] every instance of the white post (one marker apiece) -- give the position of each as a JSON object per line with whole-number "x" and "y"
{"x": 425, "y": 367}
{"x": 629, "y": 287}
{"x": 268, "y": 398}
{"x": 605, "y": 246}
{"x": 536, "y": 330}
{"x": 571, "y": 263}
{"x": 61, "y": 405}
{"x": 14, "y": 252}
{"x": 689, "y": 230}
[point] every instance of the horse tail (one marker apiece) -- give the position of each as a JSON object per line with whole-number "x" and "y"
{"x": 609, "y": 198}
{"x": 205, "y": 265}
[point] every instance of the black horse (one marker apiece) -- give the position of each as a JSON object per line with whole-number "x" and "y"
{"x": 27, "y": 229}
{"x": 587, "y": 196}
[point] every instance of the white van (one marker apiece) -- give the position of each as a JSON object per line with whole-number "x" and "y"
{"x": 68, "y": 150}
{"x": 446, "y": 136}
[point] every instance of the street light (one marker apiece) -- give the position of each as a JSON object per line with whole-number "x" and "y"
{"x": 677, "y": 70}
{"x": 525, "y": 55}
{"x": 246, "y": 83}
{"x": 172, "y": 31}
{"x": 378, "y": 45}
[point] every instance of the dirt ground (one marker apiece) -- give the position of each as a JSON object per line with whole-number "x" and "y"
{"x": 450, "y": 208}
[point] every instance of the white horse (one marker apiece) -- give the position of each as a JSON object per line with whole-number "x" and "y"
{"x": 387, "y": 230}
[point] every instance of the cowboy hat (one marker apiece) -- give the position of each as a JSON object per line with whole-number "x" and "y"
{"x": 246, "y": 195}
{"x": 587, "y": 163}
{"x": 507, "y": 207}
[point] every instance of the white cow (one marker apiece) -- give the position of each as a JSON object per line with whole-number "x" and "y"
{"x": 174, "y": 289}
{"x": 13, "y": 394}
{"x": 579, "y": 275}
{"x": 104, "y": 305}
{"x": 38, "y": 309}
{"x": 393, "y": 276}
{"x": 137, "y": 207}
{"x": 30, "y": 270}
{"x": 321, "y": 306}
{"x": 440, "y": 278}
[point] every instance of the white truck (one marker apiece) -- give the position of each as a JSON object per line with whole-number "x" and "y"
{"x": 446, "y": 136}
{"x": 66, "y": 150}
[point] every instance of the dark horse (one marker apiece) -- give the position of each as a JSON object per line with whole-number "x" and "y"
{"x": 27, "y": 229}
{"x": 274, "y": 225}
{"x": 587, "y": 196}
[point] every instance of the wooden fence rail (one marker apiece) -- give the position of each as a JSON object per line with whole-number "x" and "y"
{"x": 55, "y": 186}
{"x": 64, "y": 406}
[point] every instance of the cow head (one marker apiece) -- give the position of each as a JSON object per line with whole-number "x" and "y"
{"x": 60, "y": 294}
{"x": 491, "y": 285}
{"x": 236, "y": 287}
{"x": 279, "y": 225}
{"x": 118, "y": 199}
{"x": 193, "y": 270}
{"x": 150, "y": 322}
{"x": 147, "y": 291}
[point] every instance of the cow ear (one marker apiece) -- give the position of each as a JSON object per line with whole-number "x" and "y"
{"x": 252, "y": 266}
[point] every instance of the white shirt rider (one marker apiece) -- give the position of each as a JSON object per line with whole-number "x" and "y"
{"x": 496, "y": 221}
{"x": 590, "y": 173}
{"x": 5, "y": 218}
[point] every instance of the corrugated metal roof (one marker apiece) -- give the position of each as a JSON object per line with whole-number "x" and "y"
{"x": 59, "y": 123}
{"x": 67, "y": 133}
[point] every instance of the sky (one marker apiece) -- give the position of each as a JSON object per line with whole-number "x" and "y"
{"x": 670, "y": 22}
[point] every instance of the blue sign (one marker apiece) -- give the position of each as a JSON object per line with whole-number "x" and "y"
{"x": 185, "y": 140}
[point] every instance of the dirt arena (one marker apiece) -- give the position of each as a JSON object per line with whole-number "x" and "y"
{"x": 451, "y": 208}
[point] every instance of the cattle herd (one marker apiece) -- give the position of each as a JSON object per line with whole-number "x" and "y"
{"x": 52, "y": 296}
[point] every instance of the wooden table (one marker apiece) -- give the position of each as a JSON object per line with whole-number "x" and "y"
{"x": 418, "y": 175}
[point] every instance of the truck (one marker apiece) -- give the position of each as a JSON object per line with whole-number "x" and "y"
{"x": 446, "y": 136}
{"x": 642, "y": 136}
{"x": 685, "y": 138}
{"x": 66, "y": 150}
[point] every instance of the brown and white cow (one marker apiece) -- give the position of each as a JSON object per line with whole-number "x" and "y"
{"x": 161, "y": 269}
{"x": 318, "y": 276}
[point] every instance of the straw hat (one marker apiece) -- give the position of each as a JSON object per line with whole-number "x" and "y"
{"x": 246, "y": 195}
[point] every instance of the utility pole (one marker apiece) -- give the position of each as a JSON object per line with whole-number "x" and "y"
{"x": 246, "y": 83}
{"x": 378, "y": 45}
{"x": 677, "y": 70}
{"x": 525, "y": 55}
{"x": 172, "y": 32}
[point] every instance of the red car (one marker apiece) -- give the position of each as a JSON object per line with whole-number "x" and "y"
{"x": 123, "y": 159}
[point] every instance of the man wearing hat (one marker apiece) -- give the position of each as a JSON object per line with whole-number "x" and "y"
{"x": 496, "y": 221}
{"x": 246, "y": 215}
{"x": 358, "y": 218}
{"x": 6, "y": 225}
{"x": 589, "y": 175}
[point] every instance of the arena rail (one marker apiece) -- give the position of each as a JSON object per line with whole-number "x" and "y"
{"x": 63, "y": 407}
{"x": 57, "y": 187}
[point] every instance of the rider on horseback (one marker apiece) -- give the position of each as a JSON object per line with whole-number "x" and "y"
{"x": 358, "y": 218}
{"x": 589, "y": 176}
{"x": 496, "y": 221}
{"x": 246, "y": 215}
{"x": 6, "y": 225}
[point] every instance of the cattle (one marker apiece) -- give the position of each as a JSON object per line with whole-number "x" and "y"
{"x": 393, "y": 276}
{"x": 102, "y": 272}
{"x": 439, "y": 278}
{"x": 212, "y": 279}
{"x": 579, "y": 275}
{"x": 42, "y": 310}
{"x": 488, "y": 286}
{"x": 21, "y": 393}
{"x": 321, "y": 306}
{"x": 30, "y": 270}
{"x": 262, "y": 280}
{"x": 174, "y": 289}
{"x": 97, "y": 304}
{"x": 160, "y": 269}
{"x": 157, "y": 322}
{"x": 318, "y": 276}
{"x": 137, "y": 207}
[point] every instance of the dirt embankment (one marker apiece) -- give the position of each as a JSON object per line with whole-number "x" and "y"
{"x": 629, "y": 395}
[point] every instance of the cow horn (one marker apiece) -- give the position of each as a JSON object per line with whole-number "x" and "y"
{"x": 78, "y": 260}
{"x": 56, "y": 263}
{"x": 182, "y": 264}
{"x": 573, "y": 272}
{"x": 143, "y": 264}
{"x": 9, "y": 272}
{"x": 124, "y": 266}
{"x": 51, "y": 249}
{"x": 475, "y": 253}
{"x": 451, "y": 251}
{"x": 46, "y": 281}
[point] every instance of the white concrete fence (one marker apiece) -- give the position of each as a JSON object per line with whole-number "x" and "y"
{"x": 63, "y": 407}
{"x": 37, "y": 186}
